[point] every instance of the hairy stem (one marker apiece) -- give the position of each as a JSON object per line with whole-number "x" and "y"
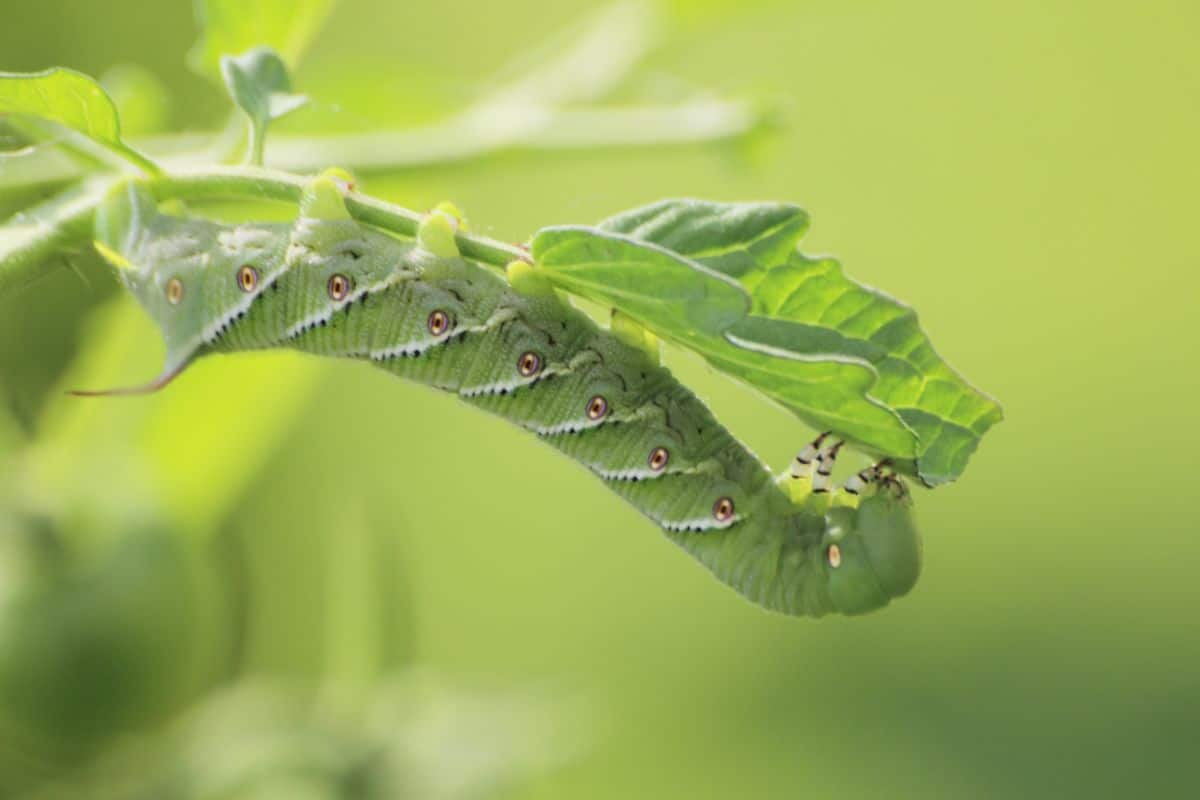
{"x": 31, "y": 237}
{"x": 265, "y": 184}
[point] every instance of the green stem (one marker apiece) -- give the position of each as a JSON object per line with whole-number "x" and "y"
{"x": 256, "y": 183}
{"x": 257, "y": 143}
{"x": 138, "y": 160}
{"x": 33, "y": 236}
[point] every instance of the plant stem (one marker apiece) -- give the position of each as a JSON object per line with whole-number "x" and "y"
{"x": 31, "y": 237}
{"x": 257, "y": 144}
{"x": 257, "y": 183}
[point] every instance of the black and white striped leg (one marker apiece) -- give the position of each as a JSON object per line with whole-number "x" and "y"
{"x": 864, "y": 479}
{"x": 825, "y": 461}
{"x": 892, "y": 483}
{"x": 802, "y": 465}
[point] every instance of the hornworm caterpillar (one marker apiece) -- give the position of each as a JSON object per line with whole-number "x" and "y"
{"x": 331, "y": 286}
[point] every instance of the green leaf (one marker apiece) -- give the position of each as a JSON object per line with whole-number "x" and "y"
{"x": 808, "y": 305}
{"x": 258, "y": 82}
{"x": 64, "y": 96}
{"x": 692, "y": 305}
{"x": 645, "y": 281}
{"x": 734, "y": 238}
{"x": 68, "y": 100}
{"x": 840, "y": 355}
{"x": 235, "y": 26}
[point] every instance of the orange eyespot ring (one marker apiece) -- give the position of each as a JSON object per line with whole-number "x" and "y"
{"x": 174, "y": 291}
{"x": 529, "y": 364}
{"x": 339, "y": 287}
{"x": 439, "y": 323}
{"x": 723, "y": 510}
{"x": 659, "y": 457}
{"x": 247, "y": 278}
{"x": 834, "y": 556}
{"x": 597, "y": 407}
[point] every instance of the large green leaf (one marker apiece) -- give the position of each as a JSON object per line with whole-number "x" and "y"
{"x": 734, "y": 238}
{"x": 690, "y": 304}
{"x": 235, "y": 26}
{"x": 809, "y": 302}
{"x": 649, "y": 283}
{"x": 840, "y": 355}
{"x": 70, "y": 100}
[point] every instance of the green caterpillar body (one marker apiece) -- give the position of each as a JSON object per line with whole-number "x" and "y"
{"x": 330, "y": 286}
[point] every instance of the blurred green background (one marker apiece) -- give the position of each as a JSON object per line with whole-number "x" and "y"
{"x": 1023, "y": 173}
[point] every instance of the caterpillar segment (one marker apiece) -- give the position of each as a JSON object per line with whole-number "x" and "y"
{"x": 512, "y": 346}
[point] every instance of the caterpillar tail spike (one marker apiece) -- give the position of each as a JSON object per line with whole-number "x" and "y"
{"x": 327, "y": 285}
{"x": 131, "y": 391}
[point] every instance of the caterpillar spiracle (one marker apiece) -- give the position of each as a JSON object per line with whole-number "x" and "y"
{"x": 331, "y": 286}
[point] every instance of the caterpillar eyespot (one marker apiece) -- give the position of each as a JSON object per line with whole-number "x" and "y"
{"x": 597, "y": 408}
{"x": 723, "y": 510}
{"x": 339, "y": 287}
{"x": 438, "y": 323}
{"x": 529, "y": 364}
{"x": 247, "y": 278}
{"x": 174, "y": 291}
{"x": 775, "y": 555}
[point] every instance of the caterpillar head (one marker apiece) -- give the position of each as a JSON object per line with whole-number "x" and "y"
{"x": 871, "y": 553}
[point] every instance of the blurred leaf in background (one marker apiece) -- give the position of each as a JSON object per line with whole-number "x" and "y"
{"x": 63, "y": 96}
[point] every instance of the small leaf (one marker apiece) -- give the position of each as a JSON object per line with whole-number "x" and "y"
{"x": 235, "y": 26}
{"x": 733, "y": 238}
{"x": 68, "y": 99}
{"x": 649, "y": 283}
{"x": 258, "y": 82}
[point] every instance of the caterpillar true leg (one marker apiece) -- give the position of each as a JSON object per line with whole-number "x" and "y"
{"x": 861, "y": 480}
{"x": 825, "y": 461}
{"x": 896, "y": 485}
{"x": 802, "y": 464}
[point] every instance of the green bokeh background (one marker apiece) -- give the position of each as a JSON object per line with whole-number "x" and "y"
{"x": 1024, "y": 173}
